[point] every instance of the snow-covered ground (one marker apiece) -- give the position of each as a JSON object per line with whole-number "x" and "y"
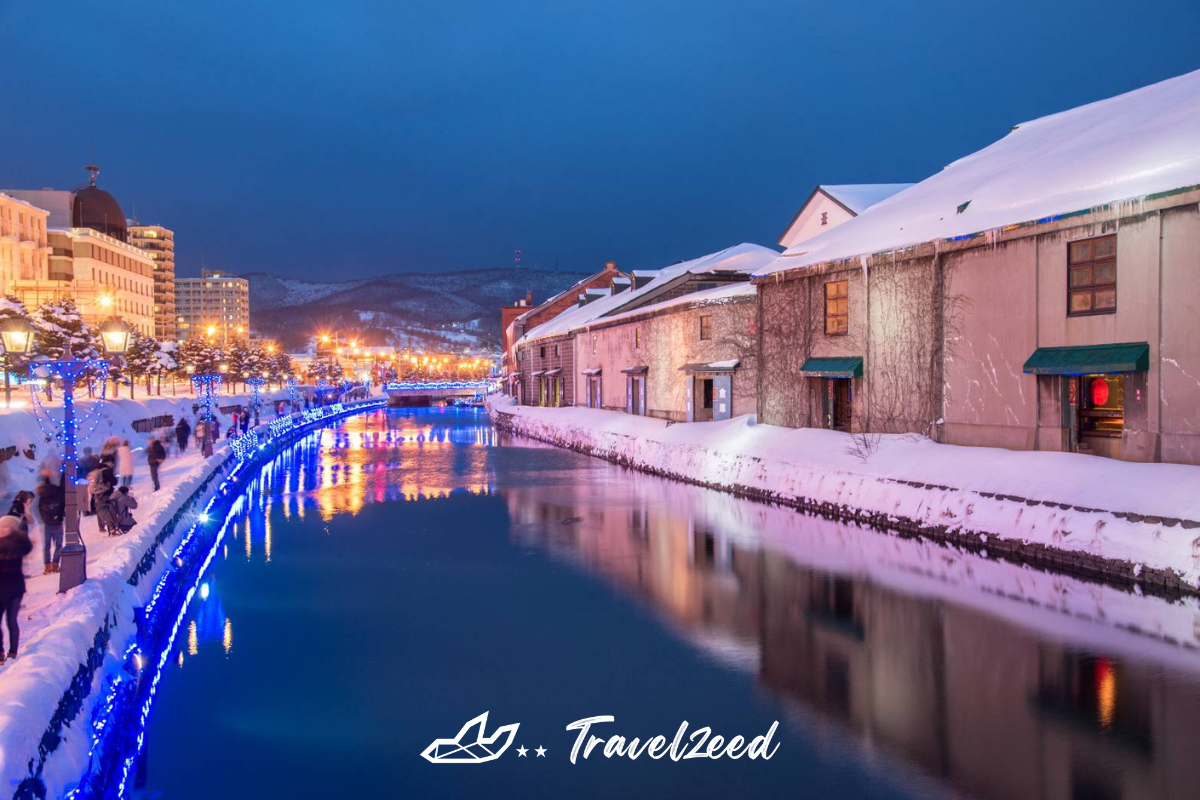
{"x": 1147, "y": 515}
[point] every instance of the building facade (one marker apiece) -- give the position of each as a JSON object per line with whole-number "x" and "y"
{"x": 690, "y": 360}
{"x": 979, "y": 307}
{"x": 159, "y": 242}
{"x": 216, "y": 305}
{"x": 88, "y": 258}
{"x": 24, "y": 249}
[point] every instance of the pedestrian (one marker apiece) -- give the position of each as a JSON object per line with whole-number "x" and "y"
{"x": 88, "y": 463}
{"x": 101, "y": 482}
{"x": 215, "y": 432}
{"x": 14, "y": 546}
{"x": 51, "y": 503}
{"x": 233, "y": 426}
{"x": 182, "y": 432}
{"x": 123, "y": 503}
{"x": 125, "y": 462}
{"x": 20, "y": 509}
{"x": 109, "y": 448}
{"x": 156, "y": 454}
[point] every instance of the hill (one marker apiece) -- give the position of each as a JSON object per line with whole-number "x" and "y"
{"x": 452, "y": 310}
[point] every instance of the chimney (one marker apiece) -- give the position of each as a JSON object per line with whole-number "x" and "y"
{"x": 610, "y": 266}
{"x": 529, "y": 298}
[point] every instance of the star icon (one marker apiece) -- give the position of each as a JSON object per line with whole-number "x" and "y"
{"x": 541, "y": 751}
{"x": 522, "y": 751}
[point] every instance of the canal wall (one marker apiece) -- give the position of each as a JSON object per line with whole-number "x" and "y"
{"x": 78, "y": 671}
{"x": 1134, "y": 525}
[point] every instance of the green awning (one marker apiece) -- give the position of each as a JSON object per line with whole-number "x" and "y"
{"x": 1089, "y": 359}
{"x": 833, "y": 367}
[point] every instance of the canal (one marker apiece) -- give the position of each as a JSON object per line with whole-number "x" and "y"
{"x": 402, "y": 573}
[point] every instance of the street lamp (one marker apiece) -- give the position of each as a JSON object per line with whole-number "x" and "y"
{"x": 114, "y": 337}
{"x": 16, "y": 334}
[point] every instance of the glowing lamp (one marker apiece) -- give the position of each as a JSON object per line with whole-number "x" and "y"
{"x": 224, "y": 368}
{"x": 1099, "y": 392}
{"x": 114, "y": 334}
{"x": 105, "y": 301}
{"x": 17, "y": 335}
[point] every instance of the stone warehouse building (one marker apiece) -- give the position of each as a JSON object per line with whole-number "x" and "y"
{"x": 522, "y": 316}
{"x": 1042, "y": 293}
{"x": 560, "y": 366}
{"x": 689, "y": 359}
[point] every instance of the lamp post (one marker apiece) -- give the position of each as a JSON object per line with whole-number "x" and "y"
{"x": 16, "y": 334}
{"x": 114, "y": 336}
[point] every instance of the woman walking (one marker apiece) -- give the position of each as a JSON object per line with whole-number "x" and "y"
{"x": 125, "y": 462}
{"x": 14, "y": 546}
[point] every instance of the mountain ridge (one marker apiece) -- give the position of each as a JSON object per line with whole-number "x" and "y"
{"x": 425, "y": 310}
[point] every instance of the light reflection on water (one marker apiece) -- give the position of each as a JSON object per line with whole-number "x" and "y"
{"x": 936, "y": 670}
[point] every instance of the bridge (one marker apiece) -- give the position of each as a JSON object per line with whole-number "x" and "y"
{"x": 429, "y": 393}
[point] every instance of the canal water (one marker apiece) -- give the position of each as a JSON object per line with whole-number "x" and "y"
{"x": 398, "y": 575}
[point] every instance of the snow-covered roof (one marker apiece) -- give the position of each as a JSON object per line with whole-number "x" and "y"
{"x": 1120, "y": 149}
{"x": 858, "y": 197}
{"x": 729, "y": 293}
{"x": 743, "y": 258}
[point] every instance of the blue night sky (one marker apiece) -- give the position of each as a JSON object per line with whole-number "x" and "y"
{"x": 351, "y": 138}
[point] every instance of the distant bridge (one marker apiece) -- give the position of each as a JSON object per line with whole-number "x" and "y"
{"x": 428, "y": 393}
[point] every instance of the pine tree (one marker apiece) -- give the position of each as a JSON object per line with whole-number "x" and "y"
{"x": 141, "y": 359}
{"x": 60, "y": 324}
{"x": 201, "y": 355}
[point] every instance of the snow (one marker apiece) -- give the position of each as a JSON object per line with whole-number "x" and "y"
{"x": 1115, "y": 150}
{"x": 819, "y": 466}
{"x": 858, "y": 197}
{"x": 730, "y": 293}
{"x": 742, "y": 259}
{"x": 728, "y": 364}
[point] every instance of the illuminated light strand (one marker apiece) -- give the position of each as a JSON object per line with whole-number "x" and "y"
{"x": 103, "y": 771}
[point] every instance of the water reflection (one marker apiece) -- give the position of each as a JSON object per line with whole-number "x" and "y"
{"x": 976, "y": 676}
{"x": 1001, "y": 681}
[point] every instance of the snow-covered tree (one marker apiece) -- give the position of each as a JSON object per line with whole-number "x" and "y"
{"x": 279, "y": 365}
{"x": 60, "y": 324}
{"x": 141, "y": 359}
{"x": 245, "y": 361}
{"x": 202, "y": 356}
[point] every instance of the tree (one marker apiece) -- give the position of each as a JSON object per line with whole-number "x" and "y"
{"x": 245, "y": 361}
{"x": 201, "y": 355}
{"x": 59, "y": 324}
{"x": 141, "y": 359}
{"x": 280, "y": 365}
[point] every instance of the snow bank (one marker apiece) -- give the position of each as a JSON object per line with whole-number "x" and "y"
{"x": 1091, "y": 515}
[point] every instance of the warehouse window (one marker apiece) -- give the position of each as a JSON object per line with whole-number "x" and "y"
{"x": 1092, "y": 276}
{"x": 837, "y": 308}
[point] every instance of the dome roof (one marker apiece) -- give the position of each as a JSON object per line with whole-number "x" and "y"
{"x": 97, "y": 209}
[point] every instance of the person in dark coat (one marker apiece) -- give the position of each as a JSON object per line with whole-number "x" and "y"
{"x": 88, "y": 463}
{"x": 101, "y": 482}
{"x": 123, "y": 504}
{"x": 14, "y": 546}
{"x": 156, "y": 454}
{"x": 51, "y": 503}
{"x": 20, "y": 509}
{"x": 182, "y": 432}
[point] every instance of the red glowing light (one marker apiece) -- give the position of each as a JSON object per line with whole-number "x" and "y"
{"x": 1099, "y": 392}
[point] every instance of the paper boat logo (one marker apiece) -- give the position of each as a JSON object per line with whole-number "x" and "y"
{"x": 471, "y": 746}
